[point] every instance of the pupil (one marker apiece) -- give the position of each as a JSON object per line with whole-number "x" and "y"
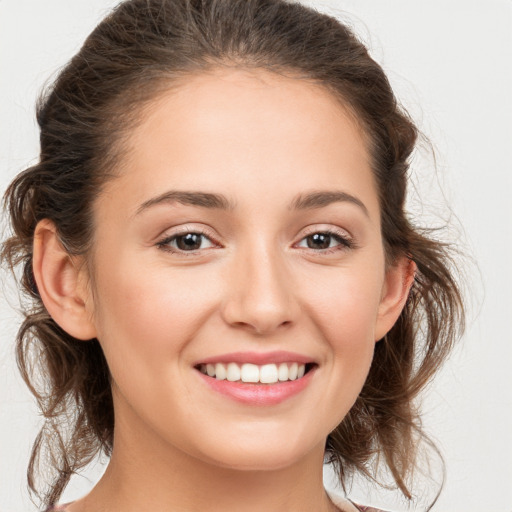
{"x": 319, "y": 241}
{"x": 189, "y": 241}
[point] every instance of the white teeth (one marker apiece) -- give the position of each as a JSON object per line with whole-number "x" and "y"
{"x": 292, "y": 371}
{"x": 220, "y": 371}
{"x": 233, "y": 373}
{"x": 282, "y": 372}
{"x": 268, "y": 374}
{"x": 251, "y": 373}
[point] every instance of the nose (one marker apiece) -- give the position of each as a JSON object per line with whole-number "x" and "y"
{"x": 260, "y": 294}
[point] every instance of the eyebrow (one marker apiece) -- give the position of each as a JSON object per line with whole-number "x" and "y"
{"x": 310, "y": 201}
{"x": 202, "y": 199}
{"x": 324, "y": 198}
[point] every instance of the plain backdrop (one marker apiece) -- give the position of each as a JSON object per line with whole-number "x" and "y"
{"x": 450, "y": 63}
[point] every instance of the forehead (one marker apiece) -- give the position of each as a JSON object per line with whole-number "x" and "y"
{"x": 250, "y": 129}
{"x": 226, "y": 98}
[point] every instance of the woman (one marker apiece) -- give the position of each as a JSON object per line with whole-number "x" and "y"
{"x": 226, "y": 287}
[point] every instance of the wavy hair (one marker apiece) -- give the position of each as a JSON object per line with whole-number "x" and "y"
{"x": 141, "y": 47}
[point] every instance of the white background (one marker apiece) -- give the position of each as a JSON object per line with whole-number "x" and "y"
{"x": 450, "y": 62}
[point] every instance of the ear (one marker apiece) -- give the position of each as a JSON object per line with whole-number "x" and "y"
{"x": 61, "y": 283}
{"x": 397, "y": 285}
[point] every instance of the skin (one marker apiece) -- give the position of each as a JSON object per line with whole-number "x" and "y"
{"x": 261, "y": 140}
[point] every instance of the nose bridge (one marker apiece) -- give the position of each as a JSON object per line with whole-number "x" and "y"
{"x": 260, "y": 289}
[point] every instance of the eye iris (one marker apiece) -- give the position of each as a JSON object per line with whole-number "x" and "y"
{"x": 319, "y": 241}
{"x": 188, "y": 242}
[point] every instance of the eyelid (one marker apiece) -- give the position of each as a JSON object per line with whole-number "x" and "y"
{"x": 170, "y": 235}
{"x": 326, "y": 228}
{"x": 347, "y": 241}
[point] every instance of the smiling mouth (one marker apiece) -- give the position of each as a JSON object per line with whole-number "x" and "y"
{"x": 256, "y": 374}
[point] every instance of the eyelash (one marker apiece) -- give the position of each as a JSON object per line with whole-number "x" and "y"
{"x": 344, "y": 243}
{"x": 164, "y": 243}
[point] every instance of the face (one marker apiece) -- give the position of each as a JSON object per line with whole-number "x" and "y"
{"x": 239, "y": 248}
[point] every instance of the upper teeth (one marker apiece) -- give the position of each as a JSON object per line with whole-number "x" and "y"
{"x": 265, "y": 374}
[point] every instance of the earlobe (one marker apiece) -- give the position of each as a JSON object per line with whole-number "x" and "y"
{"x": 397, "y": 285}
{"x": 59, "y": 281}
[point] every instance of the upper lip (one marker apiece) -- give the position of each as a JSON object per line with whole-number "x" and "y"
{"x": 258, "y": 358}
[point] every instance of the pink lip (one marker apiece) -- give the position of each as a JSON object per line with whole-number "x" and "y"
{"x": 258, "y": 394}
{"x": 275, "y": 357}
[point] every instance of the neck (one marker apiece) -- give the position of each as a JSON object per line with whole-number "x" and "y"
{"x": 146, "y": 474}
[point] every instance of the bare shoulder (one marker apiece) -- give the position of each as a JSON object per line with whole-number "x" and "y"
{"x": 359, "y": 508}
{"x": 343, "y": 503}
{"x": 58, "y": 508}
{"x": 346, "y": 505}
{"x": 368, "y": 509}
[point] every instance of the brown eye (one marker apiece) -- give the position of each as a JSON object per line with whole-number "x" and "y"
{"x": 324, "y": 241}
{"x": 189, "y": 242}
{"x": 319, "y": 241}
{"x": 186, "y": 242}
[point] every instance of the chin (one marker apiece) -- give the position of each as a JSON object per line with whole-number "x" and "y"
{"x": 258, "y": 462}
{"x": 267, "y": 455}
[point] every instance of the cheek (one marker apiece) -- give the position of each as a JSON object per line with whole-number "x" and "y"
{"x": 148, "y": 310}
{"x": 349, "y": 330}
{"x": 345, "y": 305}
{"x": 345, "y": 315}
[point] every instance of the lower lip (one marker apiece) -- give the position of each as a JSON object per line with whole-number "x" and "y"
{"x": 258, "y": 394}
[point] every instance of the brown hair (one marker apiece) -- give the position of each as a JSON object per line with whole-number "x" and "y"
{"x": 142, "y": 46}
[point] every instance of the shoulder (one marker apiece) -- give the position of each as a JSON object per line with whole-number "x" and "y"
{"x": 368, "y": 509}
{"x": 359, "y": 508}
{"x": 346, "y": 505}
